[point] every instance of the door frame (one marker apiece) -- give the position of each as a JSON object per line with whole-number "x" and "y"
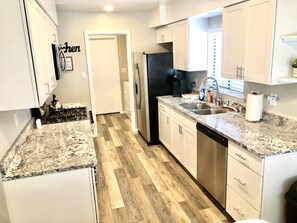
{"x": 127, "y": 33}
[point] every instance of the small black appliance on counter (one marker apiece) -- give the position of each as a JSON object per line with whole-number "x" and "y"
{"x": 178, "y": 83}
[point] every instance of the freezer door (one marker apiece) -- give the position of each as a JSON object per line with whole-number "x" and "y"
{"x": 141, "y": 95}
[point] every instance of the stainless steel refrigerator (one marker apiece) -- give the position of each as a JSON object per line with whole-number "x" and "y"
{"x": 153, "y": 77}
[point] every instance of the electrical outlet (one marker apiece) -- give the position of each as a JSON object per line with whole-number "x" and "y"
{"x": 272, "y": 98}
{"x": 124, "y": 70}
{"x": 83, "y": 75}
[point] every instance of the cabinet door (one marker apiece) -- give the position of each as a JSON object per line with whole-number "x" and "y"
{"x": 41, "y": 30}
{"x": 190, "y": 152}
{"x": 17, "y": 81}
{"x": 259, "y": 36}
{"x": 233, "y": 40}
{"x": 177, "y": 140}
{"x": 68, "y": 196}
{"x": 164, "y": 34}
{"x": 37, "y": 28}
{"x": 164, "y": 129}
{"x": 180, "y": 45}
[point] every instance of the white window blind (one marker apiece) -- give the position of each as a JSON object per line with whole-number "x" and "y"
{"x": 214, "y": 63}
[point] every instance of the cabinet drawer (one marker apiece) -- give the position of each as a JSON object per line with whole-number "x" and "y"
{"x": 238, "y": 208}
{"x": 163, "y": 107}
{"x": 245, "y": 182}
{"x": 246, "y": 158}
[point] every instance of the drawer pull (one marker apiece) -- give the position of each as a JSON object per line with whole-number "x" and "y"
{"x": 239, "y": 212}
{"x": 240, "y": 156}
{"x": 240, "y": 181}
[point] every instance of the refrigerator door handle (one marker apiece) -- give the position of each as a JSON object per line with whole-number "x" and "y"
{"x": 138, "y": 86}
{"x": 136, "y": 89}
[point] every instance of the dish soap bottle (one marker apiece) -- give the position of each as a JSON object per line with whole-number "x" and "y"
{"x": 201, "y": 95}
{"x": 209, "y": 96}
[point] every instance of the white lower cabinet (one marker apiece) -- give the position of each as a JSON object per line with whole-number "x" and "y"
{"x": 164, "y": 126}
{"x": 177, "y": 140}
{"x": 239, "y": 208}
{"x": 256, "y": 186}
{"x": 178, "y": 134}
{"x": 68, "y": 196}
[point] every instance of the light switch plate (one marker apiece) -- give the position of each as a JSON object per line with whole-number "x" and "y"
{"x": 83, "y": 75}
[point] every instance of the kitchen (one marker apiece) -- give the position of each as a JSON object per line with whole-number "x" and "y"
{"x": 71, "y": 28}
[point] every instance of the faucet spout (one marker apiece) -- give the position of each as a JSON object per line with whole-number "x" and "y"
{"x": 218, "y": 99}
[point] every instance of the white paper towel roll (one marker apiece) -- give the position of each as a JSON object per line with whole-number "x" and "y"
{"x": 254, "y": 107}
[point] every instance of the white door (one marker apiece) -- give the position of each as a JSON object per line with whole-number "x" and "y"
{"x": 105, "y": 70}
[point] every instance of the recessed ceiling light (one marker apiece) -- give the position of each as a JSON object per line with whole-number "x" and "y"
{"x": 108, "y": 8}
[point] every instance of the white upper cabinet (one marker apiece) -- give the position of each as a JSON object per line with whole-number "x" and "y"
{"x": 164, "y": 34}
{"x": 27, "y": 69}
{"x": 49, "y": 7}
{"x": 190, "y": 44}
{"x": 252, "y": 45}
{"x": 233, "y": 33}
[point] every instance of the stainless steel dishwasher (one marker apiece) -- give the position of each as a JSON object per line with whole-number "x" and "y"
{"x": 212, "y": 162}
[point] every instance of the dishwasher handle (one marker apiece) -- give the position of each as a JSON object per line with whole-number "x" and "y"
{"x": 212, "y": 134}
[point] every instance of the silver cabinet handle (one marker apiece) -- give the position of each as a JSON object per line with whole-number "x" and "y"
{"x": 242, "y": 73}
{"x": 48, "y": 88}
{"x": 240, "y": 156}
{"x": 240, "y": 181}
{"x": 237, "y": 72}
{"x": 180, "y": 129}
{"x": 53, "y": 82}
{"x": 239, "y": 212}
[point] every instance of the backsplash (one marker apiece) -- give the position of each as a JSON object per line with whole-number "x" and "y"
{"x": 287, "y": 98}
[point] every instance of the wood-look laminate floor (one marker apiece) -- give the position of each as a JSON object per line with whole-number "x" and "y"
{"x": 140, "y": 183}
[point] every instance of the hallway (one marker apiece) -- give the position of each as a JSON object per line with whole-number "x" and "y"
{"x": 138, "y": 183}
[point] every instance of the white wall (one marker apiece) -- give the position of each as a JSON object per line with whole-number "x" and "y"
{"x": 8, "y": 134}
{"x": 287, "y": 98}
{"x": 71, "y": 29}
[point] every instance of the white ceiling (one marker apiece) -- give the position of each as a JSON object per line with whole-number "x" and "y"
{"x": 97, "y": 5}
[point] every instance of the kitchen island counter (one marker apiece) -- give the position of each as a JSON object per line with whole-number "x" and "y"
{"x": 273, "y": 135}
{"x": 53, "y": 148}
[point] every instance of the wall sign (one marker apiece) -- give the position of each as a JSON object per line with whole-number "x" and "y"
{"x": 69, "y": 64}
{"x": 70, "y": 49}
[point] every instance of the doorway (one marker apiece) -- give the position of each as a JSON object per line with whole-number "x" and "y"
{"x": 106, "y": 76}
{"x": 89, "y": 37}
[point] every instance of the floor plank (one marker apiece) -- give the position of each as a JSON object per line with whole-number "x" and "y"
{"x": 114, "y": 193}
{"x": 140, "y": 183}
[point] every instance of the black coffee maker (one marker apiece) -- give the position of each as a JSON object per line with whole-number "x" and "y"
{"x": 178, "y": 83}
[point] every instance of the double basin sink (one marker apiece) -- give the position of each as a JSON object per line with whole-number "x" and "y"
{"x": 201, "y": 108}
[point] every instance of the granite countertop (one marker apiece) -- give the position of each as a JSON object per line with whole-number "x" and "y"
{"x": 272, "y": 135}
{"x": 53, "y": 148}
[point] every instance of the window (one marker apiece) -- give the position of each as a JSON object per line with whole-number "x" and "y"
{"x": 214, "y": 65}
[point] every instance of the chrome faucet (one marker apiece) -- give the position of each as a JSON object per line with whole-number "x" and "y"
{"x": 218, "y": 99}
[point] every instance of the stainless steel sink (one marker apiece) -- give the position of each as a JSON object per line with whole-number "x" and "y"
{"x": 199, "y": 105}
{"x": 202, "y": 108}
{"x": 210, "y": 111}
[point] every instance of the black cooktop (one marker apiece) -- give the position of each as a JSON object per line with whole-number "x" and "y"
{"x": 65, "y": 115}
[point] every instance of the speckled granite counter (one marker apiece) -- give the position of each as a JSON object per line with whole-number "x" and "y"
{"x": 53, "y": 148}
{"x": 271, "y": 136}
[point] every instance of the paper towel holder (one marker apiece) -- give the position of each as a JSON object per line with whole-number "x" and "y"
{"x": 254, "y": 107}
